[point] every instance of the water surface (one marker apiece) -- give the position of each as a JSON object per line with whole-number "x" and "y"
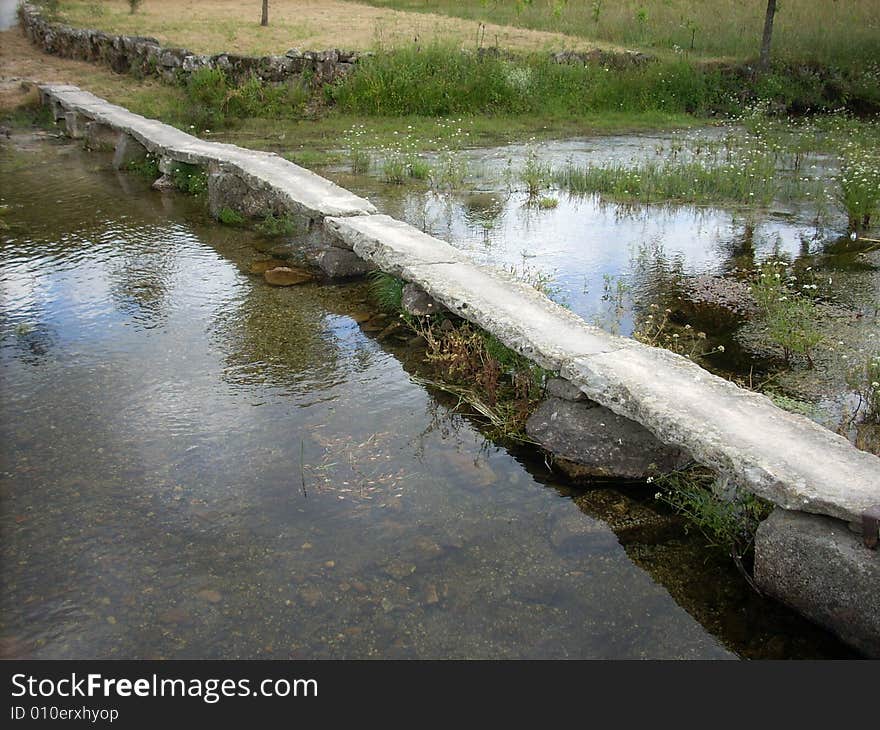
{"x": 197, "y": 465}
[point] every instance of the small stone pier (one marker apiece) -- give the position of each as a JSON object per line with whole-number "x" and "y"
{"x": 813, "y": 553}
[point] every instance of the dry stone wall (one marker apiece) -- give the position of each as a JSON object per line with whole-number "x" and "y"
{"x": 145, "y": 56}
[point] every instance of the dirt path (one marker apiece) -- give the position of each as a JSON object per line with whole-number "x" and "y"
{"x": 20, "y": 60}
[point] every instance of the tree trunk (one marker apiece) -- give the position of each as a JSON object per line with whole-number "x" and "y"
{"x": 265, "y": 19}
{"x": 764, "y": 61}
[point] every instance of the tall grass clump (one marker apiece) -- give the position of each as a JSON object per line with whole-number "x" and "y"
{"x": 728, "y": 518}
{"x": 213, "y": 100}
{"x": 441, "y": 80}
{"x": 859, "y": 182}
{"x": 747, "y": 181}
{"x": 788, "y": 312}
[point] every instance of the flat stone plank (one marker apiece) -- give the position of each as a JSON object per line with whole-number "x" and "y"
{"x": 818, "y": 567}
{"x": 781, "y": 456}
{"x": 518, "y": 315}
{"x": 303, "y": 190}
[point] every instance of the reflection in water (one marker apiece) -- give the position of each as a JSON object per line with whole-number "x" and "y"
{"x": 198, "y": 465}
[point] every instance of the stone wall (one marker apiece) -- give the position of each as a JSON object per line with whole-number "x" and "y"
{"x": 145, "y": 56}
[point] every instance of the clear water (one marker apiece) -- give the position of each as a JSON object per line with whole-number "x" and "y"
{"x": 197, "y": 465}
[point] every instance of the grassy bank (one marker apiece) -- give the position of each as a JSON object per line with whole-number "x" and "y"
{"x": 439, "y": 79}
{"x": 837, "y": 33}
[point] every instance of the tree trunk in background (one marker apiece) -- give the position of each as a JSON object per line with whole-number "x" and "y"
{"x": 265, "y": 18}
{"x": 764, "y": 62}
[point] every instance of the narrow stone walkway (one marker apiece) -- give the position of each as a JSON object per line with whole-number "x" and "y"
{"x": 780, "y": 456}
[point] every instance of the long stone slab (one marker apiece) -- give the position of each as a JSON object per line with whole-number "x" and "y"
{"x": 303, "y": 191}
{"x": 783, "y": 457}
{"x": 780, "y": 456}
{"x": 521, "y": 317}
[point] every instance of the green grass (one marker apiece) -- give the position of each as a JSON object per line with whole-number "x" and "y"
{"x": 761, "y": 160}
{"x": 750, "y": 183}
{"x": 189, "y": 179}
{"x": 845, "y": 32}
{"x": 441, "y": 80}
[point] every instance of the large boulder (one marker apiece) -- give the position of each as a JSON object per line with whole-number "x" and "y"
{"x": 590, "y": 442}
{"x": 816, "y": 565}
{"x": 339, "y": 263}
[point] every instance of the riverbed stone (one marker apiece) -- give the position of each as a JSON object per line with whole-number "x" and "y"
{"x": 338, "y": 263}
{"x": 818, "y": 567}
{"x": 592, "y": 442}
{"x": 574, "y": 532}
{"x": 164, "y": 183}
{"x": 228, "y": 190}
{"x": 416, "y": 301}
{"x": 286, "y": 276}
{"x": 128, "y": 151}
{"x": 562, "y": 388}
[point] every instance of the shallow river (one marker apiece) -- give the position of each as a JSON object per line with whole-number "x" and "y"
{"x": 197, "y": 465}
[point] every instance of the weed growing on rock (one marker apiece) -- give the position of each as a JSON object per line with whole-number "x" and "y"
{"x": 229, "y": 217}
{"x": 147, "y": 168}
{"x": 498, "y": 383}
{"x": 190, "y": 179}
{"x": 275, "y": 226}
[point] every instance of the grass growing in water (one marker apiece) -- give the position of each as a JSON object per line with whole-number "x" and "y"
{"x": 229, "y": 217}
{"x": 726, "y": 516}
{"x": 387, "y": 290}
{"x": 189, "y": 179}
{"x": 750, "y": 182}
{"x": 277, "y": 225}
{"x": 789, "y": 315}
{"x": 147, "y": 168}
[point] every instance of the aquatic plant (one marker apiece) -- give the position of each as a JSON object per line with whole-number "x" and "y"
{"x": 534, "y": 174}
{"x": 230, "y": 217}
{"x": 387, "y": 290}
{"x": 789, "y": 316}
{"x": 277, "y": 225}
{"x": 190, "y": 179}
{"x": 147, "y": 168}
{"x": 749, "y": 180}
{"x": 727, "y": 516}
{"x": 859, "y": 181}
{"x": 864, "y": 379}
{"x": 497, "y": 382}
{"x": 657, "y": 330}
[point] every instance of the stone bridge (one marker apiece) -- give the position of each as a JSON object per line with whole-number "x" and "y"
{"x": 812, "y": 553}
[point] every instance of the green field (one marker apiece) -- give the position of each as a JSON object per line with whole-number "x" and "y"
{"x": 845, "y": 32}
